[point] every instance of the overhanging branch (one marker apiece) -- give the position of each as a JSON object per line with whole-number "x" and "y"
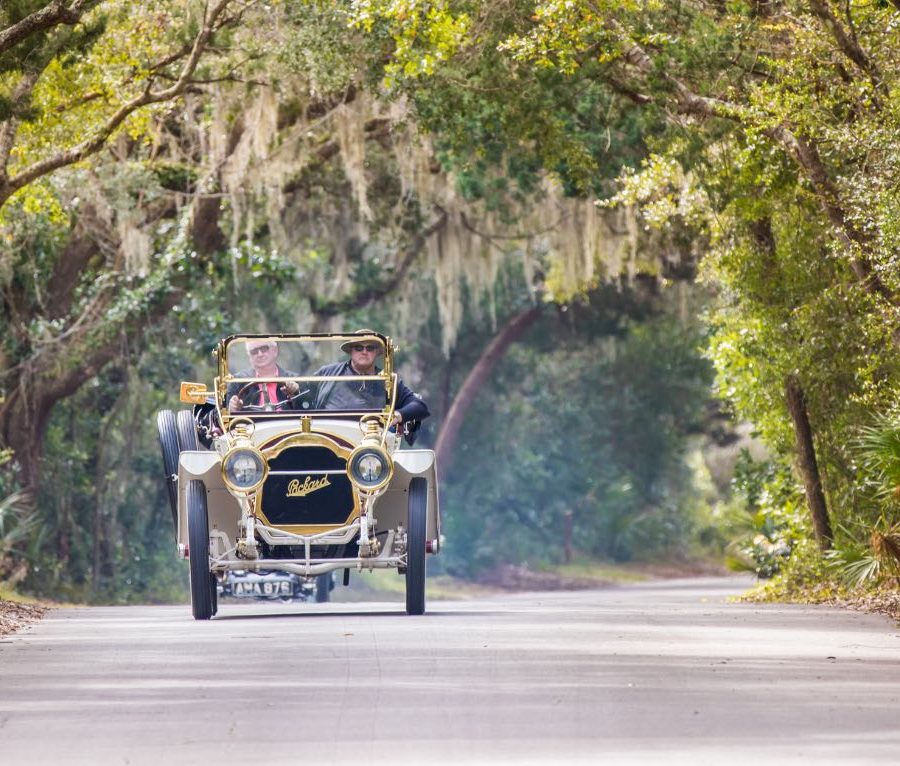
{"x": 51, "y": 15}
{"x": 215, "y": 20}
{"x": 801, "y": 150}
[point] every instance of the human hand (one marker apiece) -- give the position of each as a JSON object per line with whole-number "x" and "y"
{"x": 397, "y": 419}
{"x": 234, "y": 403}
{"x": 291, "y": 387}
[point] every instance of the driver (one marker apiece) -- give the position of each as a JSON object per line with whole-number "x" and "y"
{"x": 336, "y": 395}
{"x": 266, "y": 396}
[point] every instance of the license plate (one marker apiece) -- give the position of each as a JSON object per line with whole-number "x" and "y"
{"x": 266, "y": 589}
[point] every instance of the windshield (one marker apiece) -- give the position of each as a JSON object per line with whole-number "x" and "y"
{"x": 274, "y": 376}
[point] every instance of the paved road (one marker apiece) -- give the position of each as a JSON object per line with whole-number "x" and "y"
{"x": 655, "y": 673}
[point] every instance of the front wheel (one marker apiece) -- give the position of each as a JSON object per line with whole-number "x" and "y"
{"x": 415, "y": 546}
{"x": 202, "y": 580}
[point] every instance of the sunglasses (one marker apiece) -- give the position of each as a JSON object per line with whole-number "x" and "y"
{"x": 258, "y": 350}
{"x": 368, "y": 347}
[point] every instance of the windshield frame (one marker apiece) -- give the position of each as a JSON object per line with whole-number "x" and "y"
{"x": 224, "y": 377}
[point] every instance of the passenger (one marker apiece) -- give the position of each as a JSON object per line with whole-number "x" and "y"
{"x": 367, "y": 394}
{"x": 270, "y": 396}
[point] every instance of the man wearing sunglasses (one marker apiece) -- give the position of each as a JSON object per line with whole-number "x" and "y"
{"x": 368, "y": 395}
{"x": 264, "y": 396}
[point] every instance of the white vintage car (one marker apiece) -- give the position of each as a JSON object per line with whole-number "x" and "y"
{"x": 300, "y": 472}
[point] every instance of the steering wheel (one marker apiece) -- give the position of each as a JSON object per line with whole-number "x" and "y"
{"x": 272, "y": 406}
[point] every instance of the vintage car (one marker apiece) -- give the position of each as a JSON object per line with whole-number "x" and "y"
{"x": 298, "y": 472}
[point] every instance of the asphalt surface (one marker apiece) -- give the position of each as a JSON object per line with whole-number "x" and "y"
{"x": 667, "y": 672}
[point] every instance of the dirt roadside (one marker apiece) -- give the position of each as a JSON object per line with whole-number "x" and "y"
{"x": 15, "y": 615}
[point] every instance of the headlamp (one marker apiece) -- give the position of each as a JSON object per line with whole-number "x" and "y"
{"x": 369, "y": 467}
{"x": 244, "y": 469}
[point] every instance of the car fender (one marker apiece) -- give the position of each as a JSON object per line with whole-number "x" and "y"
{"x": 223, "y": 508}
{"x": 391, "y": 506}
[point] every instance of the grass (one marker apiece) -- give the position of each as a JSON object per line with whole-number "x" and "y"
{"x": 10, "y": 594}
{"x": 619, "y": 573}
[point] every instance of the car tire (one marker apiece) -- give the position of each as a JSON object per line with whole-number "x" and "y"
{"x": 187, "y": 430}
{"x": 324, "y": 585}
{"x": 415, "y": 546}
{"x": 198, "y": 539}
{"x": 168, "y": 444}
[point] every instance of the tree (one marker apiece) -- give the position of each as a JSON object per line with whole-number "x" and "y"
{"x": 75, "y": 76}
{"x": 770, "y": 135}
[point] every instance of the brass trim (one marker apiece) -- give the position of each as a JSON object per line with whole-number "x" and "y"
{"x": 242, "y": 428}
{"x": 296, "y": 489}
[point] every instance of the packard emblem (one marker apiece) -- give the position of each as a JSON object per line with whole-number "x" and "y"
{"x": 296, "y": 489}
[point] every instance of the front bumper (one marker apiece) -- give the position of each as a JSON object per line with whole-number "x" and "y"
{"x": 391, "y": 553}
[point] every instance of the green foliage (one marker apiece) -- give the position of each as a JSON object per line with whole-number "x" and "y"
{"x": 746, "y": 134}
{"x": 879, "y": 451}
{"x": 105, "y": 532}
{"x": 102, "y": 530}
{"x": 17, "y": 523}
{"x": 853, "y": 565}
{"x": 593, "y": 427}
{"x": 778, "y": 153}
{"x": 764, "y": 517}
{"x": 867, "y": 551}
{"x": 804, "y": 578}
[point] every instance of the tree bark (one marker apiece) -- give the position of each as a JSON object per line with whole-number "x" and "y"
{"x": 807, "y": 463}
{"x": 478, "y": 375}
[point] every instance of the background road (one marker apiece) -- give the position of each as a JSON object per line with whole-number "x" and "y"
{"x": 665, "y": 672}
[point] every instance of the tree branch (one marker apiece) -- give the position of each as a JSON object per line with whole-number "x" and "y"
{"x": 803, "y": 152}
{"x": 212, "y": 23}
{"x": 365, "y": 297}
{"x": 847, "y": 42}
{"x": 51, "y": 15}
{"x": 514, "y": 328}
{"x": 10, "y": 126}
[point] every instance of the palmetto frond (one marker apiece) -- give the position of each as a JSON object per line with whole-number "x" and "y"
{"x": 879, "y": 450}
{"x": 886, "y": 548}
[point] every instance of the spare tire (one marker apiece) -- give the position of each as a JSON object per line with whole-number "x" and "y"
{"x": 168, "y": 444}
{"x": 187, "y": 430}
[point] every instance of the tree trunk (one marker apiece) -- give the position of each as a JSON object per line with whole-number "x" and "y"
{"x": 38, "y": 384}
{"x": 22, "y": 428}
{"x": 509, "y": 334}
{"x": 807, "y": 464}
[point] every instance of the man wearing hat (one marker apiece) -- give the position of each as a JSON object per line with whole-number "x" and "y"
{"x": 367, "y": 394}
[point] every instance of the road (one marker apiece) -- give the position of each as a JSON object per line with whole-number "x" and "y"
{"x": 665, "y": 672}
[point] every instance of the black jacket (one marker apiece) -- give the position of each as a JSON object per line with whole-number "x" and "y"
{"x": 410, "y": 405}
